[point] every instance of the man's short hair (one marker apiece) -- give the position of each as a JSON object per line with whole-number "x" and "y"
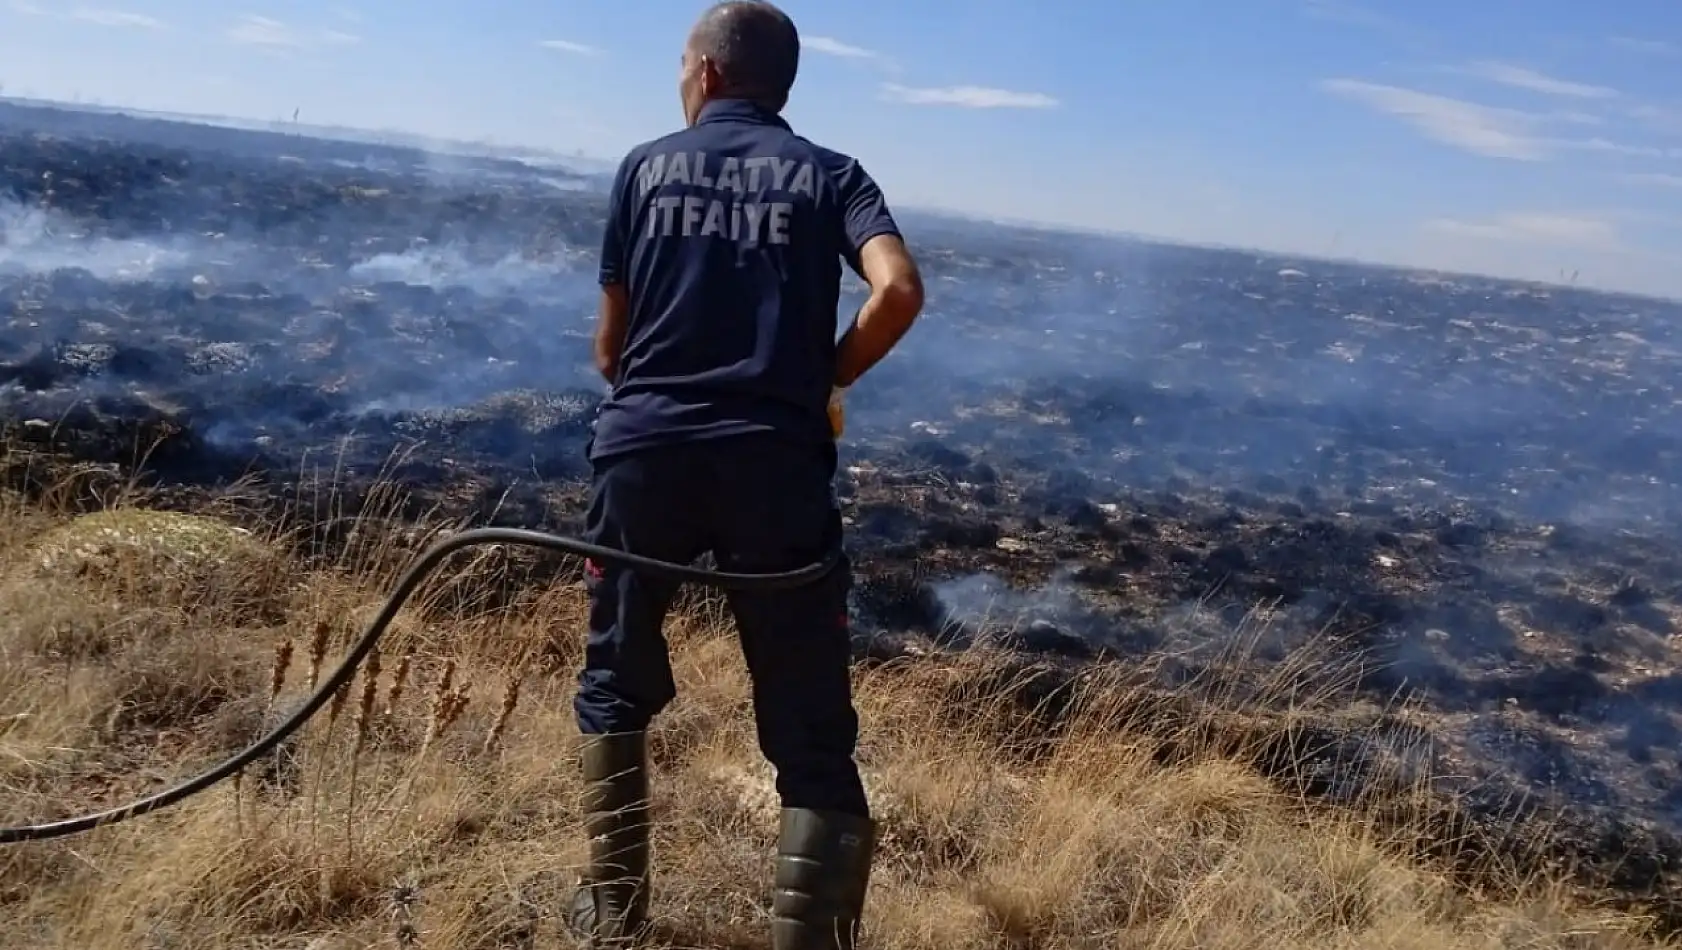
{"x": 755, "y": 47}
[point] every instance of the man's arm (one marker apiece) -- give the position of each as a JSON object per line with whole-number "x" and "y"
{"x": 613, "y": 312}
{"x": 896, "y": 298}
{"x": 877, "y": 252}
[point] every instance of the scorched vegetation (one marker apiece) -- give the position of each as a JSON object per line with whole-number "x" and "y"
{"x": 433, "y": 804}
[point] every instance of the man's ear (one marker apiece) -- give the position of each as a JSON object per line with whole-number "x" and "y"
{"x": 710, "y": 80}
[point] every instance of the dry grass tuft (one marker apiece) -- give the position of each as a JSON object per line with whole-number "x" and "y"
{"x": 435, "y": 807}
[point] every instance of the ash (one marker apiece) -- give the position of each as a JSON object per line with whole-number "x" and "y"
{"x": 1458, "y": 491}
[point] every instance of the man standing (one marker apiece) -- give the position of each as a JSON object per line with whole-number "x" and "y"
{"x": 720, "y": 274}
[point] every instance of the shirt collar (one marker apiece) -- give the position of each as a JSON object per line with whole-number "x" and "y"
{"x": 738, "y": 110}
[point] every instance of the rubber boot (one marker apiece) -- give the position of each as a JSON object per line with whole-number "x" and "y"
{"x": 822, "y": 873}
{"x": 610, "y": 907}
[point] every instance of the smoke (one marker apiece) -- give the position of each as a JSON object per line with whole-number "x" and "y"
{"x": 451, "y": 266}
{"x": 983, "y": 608}
{"x": 1137, "y": 364}
{"x": 33, "y": 241}
{"x": 398, "y": 280}
{"x": 280, "y": 292}
{"x": 1064, "y": 615}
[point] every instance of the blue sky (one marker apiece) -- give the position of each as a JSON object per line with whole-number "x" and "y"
{"x": 1530, "y": 139}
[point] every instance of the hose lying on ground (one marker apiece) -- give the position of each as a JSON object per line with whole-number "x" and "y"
{"x": 422, "y": 566}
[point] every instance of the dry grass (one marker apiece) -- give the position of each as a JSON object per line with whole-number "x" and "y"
{"x": 434, "y": 806}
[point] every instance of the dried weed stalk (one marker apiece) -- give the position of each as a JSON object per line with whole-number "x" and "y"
{"x": 399, "y": 679}
{"x": 318, "y": 650}
{"x": 510, "y": 699}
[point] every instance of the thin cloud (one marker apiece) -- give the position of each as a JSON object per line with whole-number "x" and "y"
{"x": 968, "y": 97}
{"x": 262, "y": 31}
{"x": 1485, "y": 130}
{"x": 1530, "y": 227}
{"x": 26, "y": 9}
{"x": 1349, "y": 14}
{"x": 829, "y": 46}
{"x": 1519, "y": 77}
{"x": 118, "y": 18}
{"x": 1575, "y": 118}
{"x": 1360, "y": 17}
{"x": 1657, "y": 118}
{"x": 1650, "y": 47}
{"x": 1619, "y": 148}
{"x": 1481, "y": 130}
{"x": 1655, "y": 179}
{"x": 568, "y": 46}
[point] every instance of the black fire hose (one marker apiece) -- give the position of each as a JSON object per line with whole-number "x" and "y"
{"x": 424, "y": 565}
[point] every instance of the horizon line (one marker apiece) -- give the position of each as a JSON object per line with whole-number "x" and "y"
{"x": 358, "y": 134}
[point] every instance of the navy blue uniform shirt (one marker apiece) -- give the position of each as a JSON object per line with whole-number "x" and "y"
{"x": 729, "y": 237}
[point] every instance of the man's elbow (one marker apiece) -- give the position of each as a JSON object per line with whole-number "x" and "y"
{"x": 899, "y": 296}
{"x": 904, "y": 294}
{"x": 607, "y": 364}
{"x": 895, "y": 281}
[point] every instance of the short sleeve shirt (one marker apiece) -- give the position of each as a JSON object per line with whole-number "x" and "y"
{"x": 729, "y": 238}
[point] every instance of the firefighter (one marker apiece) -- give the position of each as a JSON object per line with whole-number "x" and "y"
{"x": 720, "y": 275}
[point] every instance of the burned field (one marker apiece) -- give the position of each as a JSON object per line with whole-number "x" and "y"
{"x": 1457, "y": 493}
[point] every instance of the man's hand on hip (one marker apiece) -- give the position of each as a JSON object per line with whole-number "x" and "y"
{"x": 837, "y": 411}
{"x": 896, "y": 298}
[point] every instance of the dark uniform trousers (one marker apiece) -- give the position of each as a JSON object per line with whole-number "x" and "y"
{"x": 760, "y": 505}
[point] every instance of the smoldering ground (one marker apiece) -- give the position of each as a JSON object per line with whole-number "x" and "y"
{"x": 435, "y": 284}
{"x": 1090, "y": 448}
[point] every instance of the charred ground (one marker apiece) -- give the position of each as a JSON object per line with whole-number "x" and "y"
{"x": 1459, "y": 492}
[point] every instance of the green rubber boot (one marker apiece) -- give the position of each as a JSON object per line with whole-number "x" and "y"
{"x": 610, "y": 907}
{"x": 822, "y": 873}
